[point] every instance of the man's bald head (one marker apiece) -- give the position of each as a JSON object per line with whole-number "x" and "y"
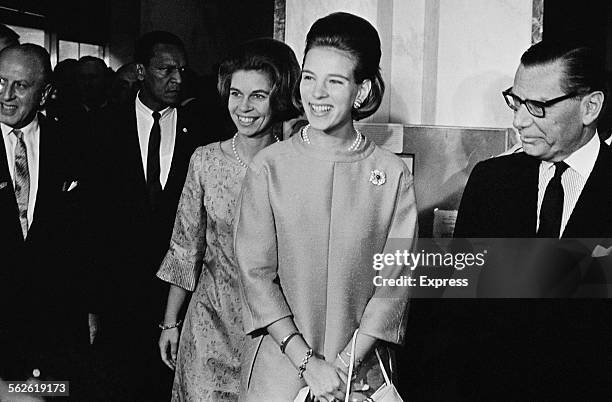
{"x": 38, "y": 56}
{"x": 24, "y": 83}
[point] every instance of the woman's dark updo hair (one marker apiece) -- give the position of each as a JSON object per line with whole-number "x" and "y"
{"x": 276, "y": 60}
{"x": 356, "y": 36}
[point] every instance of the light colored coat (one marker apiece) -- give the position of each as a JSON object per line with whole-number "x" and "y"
{"x": 310, "y": 222}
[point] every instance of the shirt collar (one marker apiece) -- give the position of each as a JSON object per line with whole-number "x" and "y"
{"x": 27, "y": 130}
{"x": 582, "y": 160}
{"x": 141, "y": 107}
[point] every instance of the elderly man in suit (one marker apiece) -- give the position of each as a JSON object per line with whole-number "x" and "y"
{"x": 138, "y": 171}
{"x": 557, "y": 96}
{"x": 559, "y": 187}
{"x": 43, "y": 275}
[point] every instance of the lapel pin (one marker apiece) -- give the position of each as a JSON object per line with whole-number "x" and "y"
{"x": 378, "y": 177}
{"x": 185, "y": 129}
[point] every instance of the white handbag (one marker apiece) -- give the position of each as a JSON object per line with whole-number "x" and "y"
{"x": 386, "y": 393}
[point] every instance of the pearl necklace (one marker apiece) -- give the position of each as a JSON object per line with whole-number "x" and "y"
{"x": 354, "y": 146}
{"x": 236, "y": 152}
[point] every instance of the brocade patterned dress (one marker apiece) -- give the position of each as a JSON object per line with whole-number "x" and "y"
{"x": 201, "y": 258}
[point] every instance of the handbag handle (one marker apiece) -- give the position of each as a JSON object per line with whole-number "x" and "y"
{"x": 352, "y": 367}
{"x": 382, "y": 367}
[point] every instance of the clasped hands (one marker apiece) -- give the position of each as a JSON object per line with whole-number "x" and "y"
{"x": 327, "y": 380}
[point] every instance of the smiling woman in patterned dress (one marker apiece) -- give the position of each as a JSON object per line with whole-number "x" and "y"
{"x": 256, "y": 81}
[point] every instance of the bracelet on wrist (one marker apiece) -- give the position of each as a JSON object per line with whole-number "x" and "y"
{"x": 164, "y": 327}
{"x": 302, "y": 366}
{"x": 285, "y": 341}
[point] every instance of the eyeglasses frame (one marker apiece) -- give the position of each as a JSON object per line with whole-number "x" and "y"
{"x": 540, "y": 104}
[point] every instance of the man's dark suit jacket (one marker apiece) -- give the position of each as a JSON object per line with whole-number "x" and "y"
{"x": 523, "y": 349}
{"x": 131, "y": 238}
{"x": 501, "y": 195}
{"x": 43, "y": 280}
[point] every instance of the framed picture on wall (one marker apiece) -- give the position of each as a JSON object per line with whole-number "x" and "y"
{"x": 408, "y": 160}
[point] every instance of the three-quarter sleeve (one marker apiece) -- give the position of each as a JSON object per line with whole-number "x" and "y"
{"x": 256, "y": 252}
{"x": 384, "y": 317}
{"x": 183, "y": 261}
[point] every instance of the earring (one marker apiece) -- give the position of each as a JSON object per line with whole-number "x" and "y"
{"x": 357, "y": 104}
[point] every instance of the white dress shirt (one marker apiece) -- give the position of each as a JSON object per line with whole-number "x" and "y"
{"x": 31, "y": 136}
{"x": 167, "y": 124}
{"x": 573, "y": 180}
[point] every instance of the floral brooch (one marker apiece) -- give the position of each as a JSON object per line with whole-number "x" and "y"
{"x": 378, "y": 177}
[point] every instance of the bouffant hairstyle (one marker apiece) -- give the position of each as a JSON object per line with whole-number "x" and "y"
{"x": 357, "y": 37}
{"x": 276, "y": 60}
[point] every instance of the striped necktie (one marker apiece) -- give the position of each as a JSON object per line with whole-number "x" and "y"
{"x": 22, "y": 181}
{"x": 551, "y": 210}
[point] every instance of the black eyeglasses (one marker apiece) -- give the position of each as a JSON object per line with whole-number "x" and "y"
{"x": 535, "y": 108}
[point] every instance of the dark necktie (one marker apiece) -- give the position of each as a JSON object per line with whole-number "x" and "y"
{"x": 22, "y": 181}
{"x": 153, "y": 168}
{"x": 552, "y": 205}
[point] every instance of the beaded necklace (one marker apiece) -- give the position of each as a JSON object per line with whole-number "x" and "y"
{"x": 236, "y": 151}
{"x": 354, "y": 146}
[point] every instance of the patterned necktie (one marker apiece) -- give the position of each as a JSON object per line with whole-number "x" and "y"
{"x": 153, "y": 167}
{"x": 551, "y": 211}
{"x": 22, "y": 181}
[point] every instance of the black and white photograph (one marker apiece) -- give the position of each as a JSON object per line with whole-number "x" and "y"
{"x": 305, "y": 200}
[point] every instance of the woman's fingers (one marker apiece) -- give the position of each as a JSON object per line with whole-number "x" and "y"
{"x": 173, "y": 351}
{"x": 167, "y": 350}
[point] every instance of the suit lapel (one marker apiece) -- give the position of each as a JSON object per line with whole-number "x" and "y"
{"x": 181, "y": 145}
{"x": 133, "y": 147}
{"x": 594, "y": 200}
{"x": 525, "y": 196}
{"x": 45, "y": 169}
{"x": 6, "y": 183}
{"x": 9, "y": 217}
{"x": 133, "y": 173}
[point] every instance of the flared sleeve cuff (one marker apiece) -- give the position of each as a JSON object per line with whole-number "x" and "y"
{"x": 385, "y": 319}
{"x": 256, "y": 252}
{"x": 178, "y": 272}
{"x": 265, "y": 304}
{"x": 254, "y": 323}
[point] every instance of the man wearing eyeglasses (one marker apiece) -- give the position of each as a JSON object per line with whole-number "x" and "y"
{"x": 559, "y": 187}
{"x": 557, "y": 96}
{"x": 138, "y": 171}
